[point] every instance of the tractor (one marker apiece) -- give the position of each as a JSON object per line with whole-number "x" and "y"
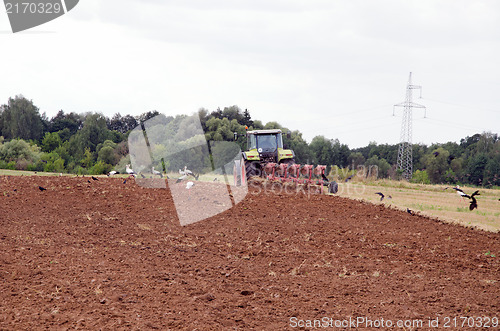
{"x": 266, "y": 157}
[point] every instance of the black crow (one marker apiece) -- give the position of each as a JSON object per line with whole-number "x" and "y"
{"x": 473, "y": 203}
{"x": 324, "y": 177}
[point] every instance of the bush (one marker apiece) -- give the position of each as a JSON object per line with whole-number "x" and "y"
{"x": 79, "y": 170}
{"x": 450, "y": 177}
{"x": 8, "y": 165}
{"x": 100, "y": 168}
{"x": 107, "y": 155}
{"x": 35, "y": 166}
{"x": 51, "y": 141}
{"x": 18, "y": 149}
{"x": 22, "y": 164}
{"x": 421, "y": 177}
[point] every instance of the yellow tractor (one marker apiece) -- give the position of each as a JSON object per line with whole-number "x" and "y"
{"x": 266, "y": 157}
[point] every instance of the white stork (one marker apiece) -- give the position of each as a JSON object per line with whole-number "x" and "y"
{"x": 180, "y": 179}
{"x": 130, "y": 171}
{"x": 460, "y": 192}
{"x": 156, "y": 172}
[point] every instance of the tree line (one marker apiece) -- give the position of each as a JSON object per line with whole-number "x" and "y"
{"x": 91, "y": 143}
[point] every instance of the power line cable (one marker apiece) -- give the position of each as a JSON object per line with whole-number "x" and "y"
{"x": 461, "y": 106}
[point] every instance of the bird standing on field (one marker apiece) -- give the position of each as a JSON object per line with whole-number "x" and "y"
{"x": 188, "y": 172}
{"x": 180, "y": 179}
{"x": 130, "y": 171}
{"x": 156, "y": 172}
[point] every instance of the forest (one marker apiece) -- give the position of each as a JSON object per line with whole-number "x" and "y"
{"x": 91, "y": 144}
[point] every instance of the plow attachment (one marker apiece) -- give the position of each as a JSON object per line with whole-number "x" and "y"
{"x": 297, "y": 174}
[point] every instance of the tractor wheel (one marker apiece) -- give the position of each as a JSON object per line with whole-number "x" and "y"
{"x": 252, "y": 169}
{"x": 333, "y": 187}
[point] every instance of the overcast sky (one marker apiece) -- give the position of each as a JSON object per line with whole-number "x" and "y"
{"x": 332, "y": 68}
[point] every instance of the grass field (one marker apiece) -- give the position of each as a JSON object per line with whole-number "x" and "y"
{"x": 430, "y": 200}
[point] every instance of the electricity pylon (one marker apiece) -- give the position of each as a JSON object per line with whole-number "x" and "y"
{"x": 405, "y": 157}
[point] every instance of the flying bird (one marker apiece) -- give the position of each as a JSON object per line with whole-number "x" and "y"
{"x": 435, "y": 153}
{"x": 42, "y": 188}
{"x": 473, "y": 203}
{"x": 460, "y": 192}
{"x": 381, "y": 195}
{"x": 348, "y": 178}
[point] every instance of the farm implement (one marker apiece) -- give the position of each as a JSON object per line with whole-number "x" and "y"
{"x": 266, "y": 158}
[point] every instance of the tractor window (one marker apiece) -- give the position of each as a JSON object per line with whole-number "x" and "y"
{"x": 252, "y": 142}
{"x": 280, "y": 141}
{"x": 267, "y": 142}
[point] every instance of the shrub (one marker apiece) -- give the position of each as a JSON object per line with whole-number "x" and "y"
{"x": 7, "y": 165}
{"x": 421, "y": 177}
{"x": 100, "y": 168}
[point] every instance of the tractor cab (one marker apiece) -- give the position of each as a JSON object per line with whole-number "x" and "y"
{"x": 266, "y": 141}
{"x": 265, "y": 145}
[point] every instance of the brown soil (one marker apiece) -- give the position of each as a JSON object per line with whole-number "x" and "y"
{"x": 108, "y": 255}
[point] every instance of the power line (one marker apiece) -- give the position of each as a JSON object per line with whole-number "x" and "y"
{"x": 452, "y": 124}
{"x": 461, "y": 106}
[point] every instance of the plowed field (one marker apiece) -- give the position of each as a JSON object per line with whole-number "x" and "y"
{"x": 108, "y": 255}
